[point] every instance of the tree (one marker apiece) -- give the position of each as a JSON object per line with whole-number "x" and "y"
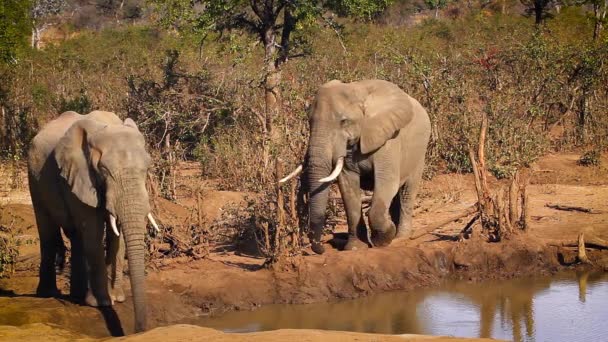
{"x": 40, "y": 12}
{"x": 14, "y": 28}
{"x": 273, "y": 22}
{"x": 538, "y": 7}
{"x": 436, "y": 5}
{"x": 600, "y": 7}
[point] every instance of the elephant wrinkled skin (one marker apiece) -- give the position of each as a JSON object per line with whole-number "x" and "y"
{"x": 374, "y": 137}
{"x": 86, "y": 171}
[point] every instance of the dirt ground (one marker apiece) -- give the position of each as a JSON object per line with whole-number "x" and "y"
{"x": 227, "y": 280}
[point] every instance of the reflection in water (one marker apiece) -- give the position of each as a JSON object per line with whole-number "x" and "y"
{"x": 565, "y": 307}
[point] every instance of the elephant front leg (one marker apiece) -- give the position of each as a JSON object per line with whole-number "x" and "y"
{"x": 98, "y": 294}
{"x": 115, "y": 259}
{"x": 386, "y": 185}
{"x": 349, "y": 184}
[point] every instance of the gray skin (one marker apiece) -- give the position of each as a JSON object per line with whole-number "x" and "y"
{"x": 383, "y": 134}
{"x": 81, "y": 169}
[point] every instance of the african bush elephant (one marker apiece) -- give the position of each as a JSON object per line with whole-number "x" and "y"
{"x": 374, "y": 137}
{"x": 87, "y": 172}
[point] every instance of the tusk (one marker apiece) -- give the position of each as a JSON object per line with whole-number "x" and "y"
{"x": 153, "y": 222}
{"x": 292, "y": 174}
{"x": 334, "y": 173}
{"x": 113, "y": 225}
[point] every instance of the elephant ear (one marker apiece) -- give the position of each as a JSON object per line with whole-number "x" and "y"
{"x": 130, "y": 123}
{"x": 73, "y": 155}
{"x": 387, "y": 109}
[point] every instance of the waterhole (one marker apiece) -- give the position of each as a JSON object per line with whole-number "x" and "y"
{"x": 563, "y": 307}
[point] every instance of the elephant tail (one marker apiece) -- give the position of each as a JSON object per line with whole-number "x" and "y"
{"x": 60, "y": 256}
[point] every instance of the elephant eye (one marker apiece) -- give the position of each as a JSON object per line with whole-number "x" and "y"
{"x": 344, "y": 121}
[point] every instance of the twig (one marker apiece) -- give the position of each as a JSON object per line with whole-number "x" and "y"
{"x": 573, "y": 208}
{"x": 429, "y": 229}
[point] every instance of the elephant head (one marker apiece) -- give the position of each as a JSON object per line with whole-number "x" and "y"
{"x": 359, "y": 116}
{"x": 105, "y": 166}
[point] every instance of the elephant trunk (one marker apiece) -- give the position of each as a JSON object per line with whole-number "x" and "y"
{"x": 132, "y": 210}
{"x": 319, "y": 166}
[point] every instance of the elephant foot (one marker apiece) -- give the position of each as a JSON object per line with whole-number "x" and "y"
{"x": 117, "y": 294}
{"x": 383, "y": 238}
{"x": 90, "y": 300}
{"x": 404, "y": 233}
{"x": 317, "y": 247}
{"x": 354, "y": 244}
{"x": 405, "y": 229}
{"x": 48, "y": 292}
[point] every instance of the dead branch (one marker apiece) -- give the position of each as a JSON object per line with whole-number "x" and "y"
{"x": 573, "y": 208}
{"x": 513, "y": 198}
{"x": 429, "y": 229}
{"x": 481, "y": 152}
{"x": 467, "y": 230}
{"x": 590, "y": 241}
{"x": 280, "y": 206}
{"x": 582, "y": 255}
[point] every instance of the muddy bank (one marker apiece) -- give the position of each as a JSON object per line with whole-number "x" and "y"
{"x": 215, "y": 287}
{"x": 184, "y": 332}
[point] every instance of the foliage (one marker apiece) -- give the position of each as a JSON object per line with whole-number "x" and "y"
{"x": 14, "y": 29}
{"x": 8, "y": 251}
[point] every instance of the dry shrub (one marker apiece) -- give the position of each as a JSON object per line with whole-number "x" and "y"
{"x": 8, "y": 250}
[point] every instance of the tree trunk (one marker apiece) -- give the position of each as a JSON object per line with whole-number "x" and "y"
{"x": 600, "y": 15}
{"x": 436, "y": 12}
{"x": 271, "y": 82}
{"x": 36, "y": 37}
{"x": 539, "y": 6}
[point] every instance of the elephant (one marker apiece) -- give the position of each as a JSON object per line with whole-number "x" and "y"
{"x": 373, "y": 136}
{"x": 86, "y": 173}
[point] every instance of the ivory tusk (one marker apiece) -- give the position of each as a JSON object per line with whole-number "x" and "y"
{"x": 334, "y": 173}
{"x": 292, "y": 174}
{"x": 153, "y": 222}
{"x": 113, "y": 225}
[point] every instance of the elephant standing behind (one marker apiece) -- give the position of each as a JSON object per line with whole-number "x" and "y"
{"x": 87, "y": 172}
{"x": 374, "y": 137}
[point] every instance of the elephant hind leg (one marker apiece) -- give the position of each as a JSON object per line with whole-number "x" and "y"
{"x": 407, "y": 197}
{"x": 47, "y": 231}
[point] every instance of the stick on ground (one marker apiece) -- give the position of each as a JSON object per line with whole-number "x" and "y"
{"x": 429, "y": 229}
{"x": 573, "y": 208}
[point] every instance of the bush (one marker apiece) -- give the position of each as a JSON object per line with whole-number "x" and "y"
{"x": 590, "y": 158}
{"x": 8, "y": 251}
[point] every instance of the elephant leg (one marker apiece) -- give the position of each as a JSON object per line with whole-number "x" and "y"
{"x": 386, "y": 186}
{"x": 98, "y": 294}
{"x": 47, "y": 231}
{"x": 115, "y": 259}
{"x": 78, "y": 268}
{"x": 407, "y": 196}
{"x": 348, "y": 181}
{"x": 395, "y": 208}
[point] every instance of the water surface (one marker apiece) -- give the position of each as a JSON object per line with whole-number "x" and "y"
{"x": 564, "y": 307}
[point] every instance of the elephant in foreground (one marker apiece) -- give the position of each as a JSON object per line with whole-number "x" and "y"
{"x": 86, "y": 173}
{"x": 374, "y": 137}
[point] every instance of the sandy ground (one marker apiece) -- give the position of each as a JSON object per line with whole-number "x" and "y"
{"x": 184, "y": 332}
{"x": 184, "y": 288}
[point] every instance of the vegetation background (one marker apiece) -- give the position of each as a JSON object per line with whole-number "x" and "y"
{"x": 228, "y": 82}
